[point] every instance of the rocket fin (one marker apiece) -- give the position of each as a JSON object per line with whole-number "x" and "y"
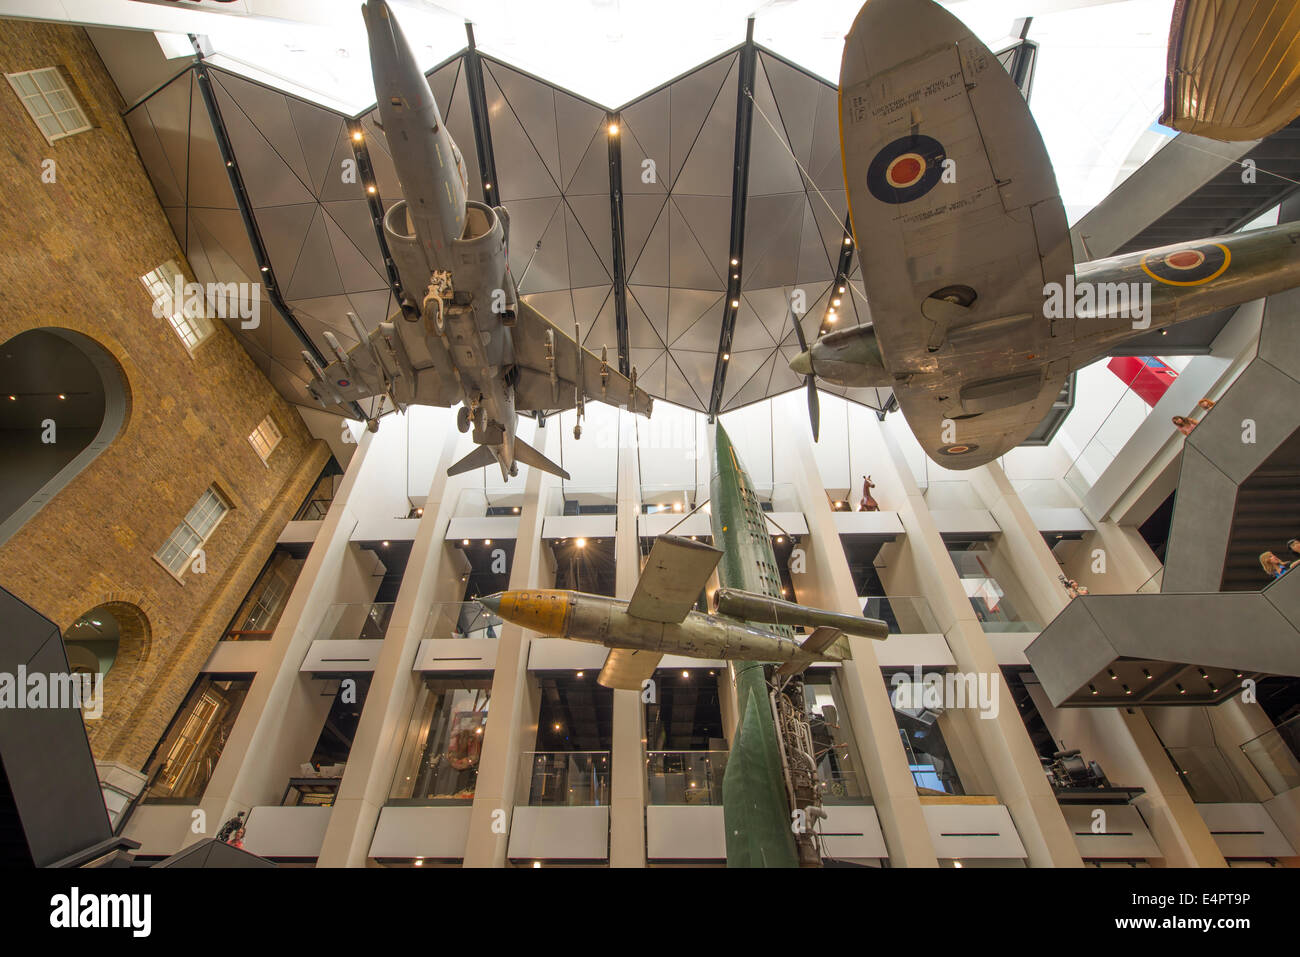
{"x": 813, "y": 647}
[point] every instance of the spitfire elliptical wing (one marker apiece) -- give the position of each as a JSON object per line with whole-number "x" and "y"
{"x": 675, "y": 574}
{"x": 625, "y": 669}
{"x": 960, "y": 226}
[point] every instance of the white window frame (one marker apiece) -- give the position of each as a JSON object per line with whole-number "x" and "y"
{"x": 187, "y": 532}
{"x": 265, "y": 439}
{"x": 49, "y": 104}
{"x": 192, "y": 329}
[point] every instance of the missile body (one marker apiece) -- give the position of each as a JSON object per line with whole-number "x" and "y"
{"x": 749, "y": 606}
{"x": 605, "y": 621}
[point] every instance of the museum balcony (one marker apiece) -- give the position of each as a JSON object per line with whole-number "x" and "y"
{"x": 1275, "y": 755}
{"x": 261, "y": 609}
{"x": 561, "y": 808}
{"x": 685, "y": 777}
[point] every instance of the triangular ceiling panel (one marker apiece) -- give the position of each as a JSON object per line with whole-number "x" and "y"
{"x": 591, "y": 215}
{"x": 814, "y": 262}
{"x": 176, "y": 217}
{"x": 556, "y": 306}
{"x": 772, "y": 239}
{"x": 827, "y": 165}
{"x": 442, "y": 84}
{"x": 529, "y": 220}
{"x": 647, "y": 317}
{"x": 319, "y": 132}
{"x": 709, "y": 220}
{"x": 372, "y": 308}
{"x": 641, "y": 170}
{"x": 356, "y": 272}
{"x": 315, "y": 274}
{"x": 692, "y": 100}
{"x": 533, "y": 105}
{"x": 269, "y": 179}
{"x": 740, "y": 369}
{"x": 697, "y": 367}
{"x": 689, "y": 264}
{"x": 595, "y": 308}
{"x": 580, "y": 127}
{"x": 381, "y": 162}
{"x": 590, "y": 177}
{"x": 284, "y": 230}
{"x": 640, "y": 215}
{"x": 771, "y": 308}
{"x": 686, "y": 307}
{"x": 755, "y": 387}
{"x": 651, "y": 370}
{"x": 702, "y": 335}
{"x": 796, "y": 95}
{"x": 586, "y": 266}
{"x": 772, "y": 168}
{"x": 209, "y": 182}
{"x": 353, "y": 217}
{"x": 269, "y": 113}
{"x": 651, "y": 264}
{"x": 225, "y": 242}
{"x": 169, "y": 115}
{"x": 550, "y": 266}
{"x": 154, "y": 157}
{"x": 707, "y": 168}
{"x": 523, "y": 172}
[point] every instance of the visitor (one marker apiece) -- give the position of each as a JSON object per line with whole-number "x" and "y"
{"x": 1183, "y": 424}
{"x": 1273, "y": 566}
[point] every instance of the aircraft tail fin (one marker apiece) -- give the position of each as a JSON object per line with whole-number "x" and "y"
{"x": 481, "y": 456}
{"x": 813, "y": 648}
{"x": 528, "y": 455}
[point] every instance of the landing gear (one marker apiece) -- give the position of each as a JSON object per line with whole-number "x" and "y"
{"x": 577, "y": 430}
{"x": 372, "y": 425}
{"x": 480, "y": 418}
{"x": 462, "y": 418}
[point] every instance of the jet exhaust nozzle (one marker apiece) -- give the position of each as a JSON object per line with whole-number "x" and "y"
{"x": 748, "y": 606}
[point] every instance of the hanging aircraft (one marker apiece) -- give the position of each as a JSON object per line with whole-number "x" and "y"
{"x": 978, "y": 310}
{"x": 659, "y": 619}
{"x": 462, "y": 335}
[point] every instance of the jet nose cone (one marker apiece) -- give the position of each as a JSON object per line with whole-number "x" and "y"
{"x": 802, "y": 363}
{"x": 491, "y": 602}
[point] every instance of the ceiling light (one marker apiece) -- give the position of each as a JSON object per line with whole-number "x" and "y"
{"x": 735, "y": 262}
{"x": 686, "y": 674}
{"x": 557, "y": 727}
{"x": 385, "y": 544}
{"x": 62, "y": 396}
{"x": 516, "y": 509}
{"x": 356, "y": 137}
{"x": 419, "y": 511}
{"x": 580, "y": 542}
{"x": 487, "y": 541}
{"x": 613, "y": 129}
{"x": 841, "y": 290}
{"x": 735, "y": 304}
{"x": 537, "y": 863}
{"x": 579, "y": 674}
{"x": 464, "y": 541}
{"x": 726, "y": 356}
{"x": 677, "y": 506}
{"x": 835, "y": 302}
{"x": 848, "y": 241}
{"x": 370, "y": 190}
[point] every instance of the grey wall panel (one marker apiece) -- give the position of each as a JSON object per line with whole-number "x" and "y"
{"x": 1201, "y": 526}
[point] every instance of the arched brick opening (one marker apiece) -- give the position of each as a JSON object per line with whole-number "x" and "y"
{"x": 134, "y": 643}
{"x": 64, "y": 399}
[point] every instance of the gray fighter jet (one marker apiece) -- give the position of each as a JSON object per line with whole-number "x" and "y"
{"x": 463, "y": 335}
{"x": 978, "y": 310}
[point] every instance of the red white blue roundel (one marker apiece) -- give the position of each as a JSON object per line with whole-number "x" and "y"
{"x": 1192, "y": 266}
{"x": 906, "y": 169}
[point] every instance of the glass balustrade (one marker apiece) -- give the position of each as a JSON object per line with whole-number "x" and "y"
{"x": 840, "y": 786}
{"x": 1208, "y": 776}
{"x": 564, "y": 779}
{"x": 905, "y": 615}
{"x": 1276, "y": 756}
{"x": 944, "y": 495}
{"x": 350, "y": 621}
{"x": 685, "y": 777}
{"x": 461, "y": 619}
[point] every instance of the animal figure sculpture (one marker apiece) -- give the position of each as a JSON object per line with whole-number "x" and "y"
{"x": 868, "y": 504}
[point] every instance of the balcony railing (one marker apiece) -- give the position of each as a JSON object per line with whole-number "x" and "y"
{"x": 841, "y": 787}
{"x": 685, "y": 777}
{"x": 461, "y": 619}
{"x": 564, "y": 778}
{"x": 314, "y": 510}
{"x": 1276, "y": 755}
{"x": 352, "y": 621}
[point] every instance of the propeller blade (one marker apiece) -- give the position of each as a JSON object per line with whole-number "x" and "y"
{"x": 814, "y": 406}
{"x": 798, "y": 329}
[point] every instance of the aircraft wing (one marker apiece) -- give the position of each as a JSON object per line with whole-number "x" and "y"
{"x": 397, "y": 356}
{"x": 959, "y": 224}
{"x": 673, "y": 578}
{"x": 543, "y": 348}
{"x": 625, "y": 668}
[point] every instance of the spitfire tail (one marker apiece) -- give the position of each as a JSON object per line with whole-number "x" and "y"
{"x": 528, "y": 455}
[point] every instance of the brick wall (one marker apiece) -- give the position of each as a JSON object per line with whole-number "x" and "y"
{"x": 71, "y": 256}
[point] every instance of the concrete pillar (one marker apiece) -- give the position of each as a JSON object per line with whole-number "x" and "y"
{"x": 1120, "y": 740}
{"x": 512, "y": 715}
{"x": 281, "y": 706}
{"x": 431, "y": 576}
{"x": 827, "y": 583}
{"x": 1011, "y": 759}
{"x": 628, "y": 782}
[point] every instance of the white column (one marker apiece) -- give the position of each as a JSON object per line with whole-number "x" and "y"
{"x": 512, "y": 715}
{"x": 627, "y": 841}
{"x": 828, "y": 583}
{"x": 431, "y": 576}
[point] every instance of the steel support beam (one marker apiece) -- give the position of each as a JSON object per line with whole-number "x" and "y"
{"x": 739, "y": 196}
{"x": 614, "y": 121}
{"x": 487, "y": 165}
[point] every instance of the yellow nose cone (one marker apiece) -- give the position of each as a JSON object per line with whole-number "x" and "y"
{"x": 545, "y": 612}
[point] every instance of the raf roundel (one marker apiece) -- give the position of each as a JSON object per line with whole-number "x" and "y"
{"x": 1192, "y": 266}
{"x": 906, "y": 169}
{"x": 957, "y": 449}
